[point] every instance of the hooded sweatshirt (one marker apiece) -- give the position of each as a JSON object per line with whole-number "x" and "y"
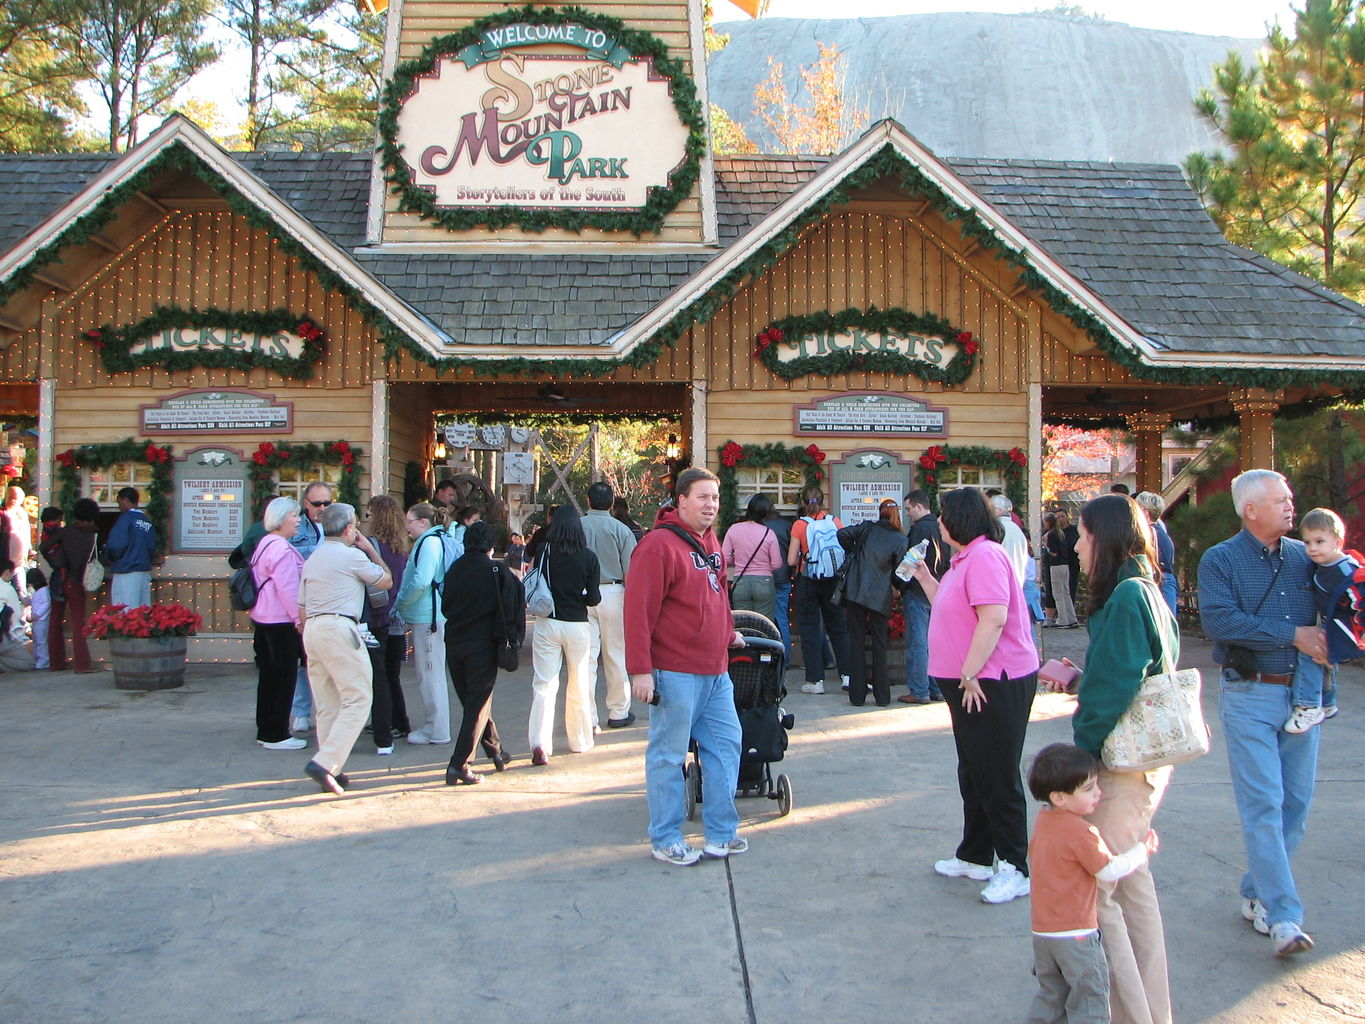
{"x": 677, "y": 605}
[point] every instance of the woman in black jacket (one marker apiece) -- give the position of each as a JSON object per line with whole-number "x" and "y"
{"x": 874, "y": 550}
{"x": 564, "y": 638}
{"x": 483, "y": 603}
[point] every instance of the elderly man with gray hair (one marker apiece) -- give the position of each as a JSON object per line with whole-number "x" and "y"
{"x": 331, "y": 599}
{"x": 1016, "y": 544}
{"x": 1259, "y": 612}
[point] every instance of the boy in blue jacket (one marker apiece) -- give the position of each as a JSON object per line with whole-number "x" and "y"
{"x": 1339, "y": 591}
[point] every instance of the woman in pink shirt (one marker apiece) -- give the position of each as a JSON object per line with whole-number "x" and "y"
{"x": 751, "y": 552}
{"x": 276, "y": 566}
{"x": 982, "y": 657}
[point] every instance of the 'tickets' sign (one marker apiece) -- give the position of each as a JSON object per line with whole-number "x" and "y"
{"x": 935, "y": 351}
{"x": 494, "y": 125}
{"x": 282, "y": 345}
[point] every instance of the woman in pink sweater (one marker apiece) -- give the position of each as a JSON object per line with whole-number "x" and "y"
{"x": 276, "y": 566}
{"x": 752, "y": 554}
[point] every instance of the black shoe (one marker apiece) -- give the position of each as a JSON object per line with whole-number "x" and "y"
{"x": 502, "y": 760}
{"x": 455, "y": 776}
{"x": 621, "y": 723}
{"x": 326, "y": 780}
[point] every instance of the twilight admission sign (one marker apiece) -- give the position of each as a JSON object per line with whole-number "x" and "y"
{"x": 488, "y": 128}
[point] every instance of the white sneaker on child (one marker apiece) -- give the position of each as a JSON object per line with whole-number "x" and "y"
{"x": 1304, "y": 718}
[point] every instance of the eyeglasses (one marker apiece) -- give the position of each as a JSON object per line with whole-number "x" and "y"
{"x": 321, "y": 504}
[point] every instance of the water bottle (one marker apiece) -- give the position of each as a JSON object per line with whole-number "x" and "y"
{"x": 906, "y": 570}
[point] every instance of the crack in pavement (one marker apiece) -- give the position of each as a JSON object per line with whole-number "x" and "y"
{"x": 739, "y": 946}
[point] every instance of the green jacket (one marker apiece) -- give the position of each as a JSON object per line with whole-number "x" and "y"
{"x": 1131, "y": 637}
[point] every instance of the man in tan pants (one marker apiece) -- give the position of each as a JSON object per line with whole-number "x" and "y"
{"x": 331, "y": 599}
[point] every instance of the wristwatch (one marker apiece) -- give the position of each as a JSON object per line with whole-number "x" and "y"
{"x": 971, "y": 678}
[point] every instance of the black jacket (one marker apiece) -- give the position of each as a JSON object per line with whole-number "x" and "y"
{"x": 575, "y": 579}
{"x": 874, "y": 551}
{"x": 470, "y": 604}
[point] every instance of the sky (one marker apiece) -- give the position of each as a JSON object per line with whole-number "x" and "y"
{"x": 1240, "y": 18}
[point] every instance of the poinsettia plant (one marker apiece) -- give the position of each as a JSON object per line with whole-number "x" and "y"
{"x": 149, "y": 620}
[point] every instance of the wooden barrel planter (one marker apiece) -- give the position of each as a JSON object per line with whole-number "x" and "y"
{"x": 148, "y": 663}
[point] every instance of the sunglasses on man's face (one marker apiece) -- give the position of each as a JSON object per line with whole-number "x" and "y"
{"x": 321, "y": 504}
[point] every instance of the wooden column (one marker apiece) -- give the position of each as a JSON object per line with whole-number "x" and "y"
{"x": 1256, "y": 408}
{"x": 1148, "y": 428}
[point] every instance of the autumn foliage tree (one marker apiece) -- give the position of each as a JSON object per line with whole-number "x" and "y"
{"x": 827, "y": 122}
{"x": 1064, "y": 447}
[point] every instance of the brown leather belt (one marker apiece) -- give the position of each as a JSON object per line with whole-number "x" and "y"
{"x": 1270, "y": 677}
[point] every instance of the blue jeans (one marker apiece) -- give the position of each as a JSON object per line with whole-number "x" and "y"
{"x": 917, "y": 679}
{"x": 700, "y": 708}
{"x": 1272, "y": 778}
{"x": 303, "y": 696}
{"x": 1314, "y": 685}
{"x": 1168, "y": 591}
{"x": 784, "y": 594}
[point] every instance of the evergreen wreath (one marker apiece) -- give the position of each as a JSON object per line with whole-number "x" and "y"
{"x": 901, "y": 322}
{"x": 115, "y": 343}
{"x": 102, "y": 456}
{"x": 1012, "y": 465}
{"x": 732, "y": 453}
{"x": 648, "y": 219}
{"x": 269, "y": 456}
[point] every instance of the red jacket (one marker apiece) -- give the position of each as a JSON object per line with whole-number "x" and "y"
{"x": 677, "y": 606}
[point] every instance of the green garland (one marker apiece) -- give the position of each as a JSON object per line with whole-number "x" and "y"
{"x": 648, "y": 219}
{"x": 102, "y": 456}
{"x": 901, "y": 322}
{"x": 268, "y": 457}
{"x": 1011, "y": 464}
{"x": 732, "y": 453}
{"x": 115, "y": 343}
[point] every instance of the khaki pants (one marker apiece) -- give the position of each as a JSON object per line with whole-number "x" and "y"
{"x": 1061, "y": 597}
{"x": 343, "y": 686}
{"x": 1129, "y": 916}
{"x": 608, "y": 624}
{"x": 555, "y": 643}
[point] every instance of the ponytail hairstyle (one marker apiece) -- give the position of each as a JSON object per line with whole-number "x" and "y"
{"x": 812, "y": 501}
{"x": 889, "y": 511}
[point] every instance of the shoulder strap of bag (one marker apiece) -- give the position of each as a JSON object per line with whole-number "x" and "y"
{"x": 1157, "y": 604}
{"x": 752, "y": 555}
{"x": 692, "y": 541}
{"x": 501, "y": 631}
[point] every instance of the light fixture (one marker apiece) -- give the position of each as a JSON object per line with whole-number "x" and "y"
{"x": 673, "y": 450}
{"x": 438, "y": 454}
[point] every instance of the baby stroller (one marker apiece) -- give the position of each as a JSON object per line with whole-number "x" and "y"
{"x": 756, "y": 670}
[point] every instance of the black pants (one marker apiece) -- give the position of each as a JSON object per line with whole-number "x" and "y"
{"x": 990, "y": 742}
{"x": 473, "y": 671}
{"x": 861, "y": 621}
{"x": 816, "y": 615}
{"x": 277, "y": 646}
{"x": 389, "y": 712}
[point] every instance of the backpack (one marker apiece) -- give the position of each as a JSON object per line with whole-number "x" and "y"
{"x": 242, "y": 588}
{"x": 824, "y": 553}
{"x": 451, "y": 549}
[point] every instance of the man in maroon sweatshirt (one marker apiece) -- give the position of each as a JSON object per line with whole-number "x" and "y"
{"x": 678, "y": 627}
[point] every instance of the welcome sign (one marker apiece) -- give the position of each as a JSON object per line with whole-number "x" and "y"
{"x": 495, "y": 124}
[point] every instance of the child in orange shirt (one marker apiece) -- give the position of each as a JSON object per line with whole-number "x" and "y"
{"x": 1066, "y": 858}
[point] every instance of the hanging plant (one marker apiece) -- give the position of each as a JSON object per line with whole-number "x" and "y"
{"x": 1012, "y": 466}
{"x": 732, "y": 454}
{"x": 115, "y": 344}
{"x": 862, "y": 355}
{"x": 102, "y": 456}
{"x": 269, "y": 456}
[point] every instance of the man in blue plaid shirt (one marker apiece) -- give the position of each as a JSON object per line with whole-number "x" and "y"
{"x": 1256, "y": 603}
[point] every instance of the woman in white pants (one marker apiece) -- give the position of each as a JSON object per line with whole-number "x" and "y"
{"x": 419, "y": 606}
{"x": 564, "y": 638}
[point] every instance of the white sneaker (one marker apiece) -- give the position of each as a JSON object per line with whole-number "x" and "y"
{"x": 816, "y": 688}
{"x": 722, "y": 850}
{"x": 1254, "y": 911}
{"x": 843, "y": 683}
{"x": 381, "y": 751}
{"x": 1329, "y": 711}
{"x": 1289, "y": 939}
{"x": 1006, "y": 884}
{"x": 293, "y": 743}
{"x": 1304, "y": 718}
{"x": 679, "y": 854}
{"x": 300, "y": 723}
{"x": 955, "y": 868}
{"x": 418, "y": 737}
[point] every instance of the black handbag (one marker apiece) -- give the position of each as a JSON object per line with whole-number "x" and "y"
{"x": 841, "y": 573}
{"x": 509, "y": 650}
{"x": 242, "y": 588}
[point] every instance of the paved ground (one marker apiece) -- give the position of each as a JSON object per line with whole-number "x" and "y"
{"x": 156, "y": 865}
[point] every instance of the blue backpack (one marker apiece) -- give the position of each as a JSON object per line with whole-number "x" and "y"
{"x": 451, "y": 549}
{"x": 824, "y": 553}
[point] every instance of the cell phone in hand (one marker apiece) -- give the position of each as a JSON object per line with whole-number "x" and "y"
{"x": 1057, "y": 672}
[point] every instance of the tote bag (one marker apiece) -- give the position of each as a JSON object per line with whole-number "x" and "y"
{"x": 1164, "y": 724}
{"x": 93, "y": 578}
{"x": 539, "y": 601}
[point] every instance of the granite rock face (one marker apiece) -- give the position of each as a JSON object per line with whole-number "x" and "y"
{"x": 996, "y": 85}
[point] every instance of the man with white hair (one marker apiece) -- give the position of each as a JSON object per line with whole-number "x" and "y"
{"x": 1016, "y": 544}
{"x": 1256, "y": 606}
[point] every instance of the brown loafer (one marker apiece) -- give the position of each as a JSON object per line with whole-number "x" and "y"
{"x": 910, "y": 698}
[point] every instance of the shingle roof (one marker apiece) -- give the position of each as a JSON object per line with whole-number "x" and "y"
{"x": 1134, "y": 233}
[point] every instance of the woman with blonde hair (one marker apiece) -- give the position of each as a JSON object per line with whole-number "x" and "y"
{"x": 390, "y": 713}
{"x": 418, "y": 605}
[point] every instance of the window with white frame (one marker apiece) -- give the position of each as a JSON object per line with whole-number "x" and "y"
{"x": 952, "y": 477}
{"x": 104, "y": 484}
{"x": 292, "y": 481}
{"x": 780, "y": 483}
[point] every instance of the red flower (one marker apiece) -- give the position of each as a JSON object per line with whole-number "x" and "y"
{"x": 1018, "y": 457}
{"x": 815, "y": 453}
{"x": 929, "y": 478}
{"x": 731, "y": 453}
{"x": 266, "y": 448}
{"x": 341, "y": 447}
{"x": 259, "y": 458}
{"x": 819, "y": 474}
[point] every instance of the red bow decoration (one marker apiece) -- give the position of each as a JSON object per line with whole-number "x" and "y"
{"x": 766, "y": 338}
{"x": 68, "y": 457}
{"x": 94, "y": 334}
{"x": 969, "y": 345}
{"x": 933, "y": 455}
{"x": 731, "y": 453}
{"x": 815, "y": 453}
{"x": 153, "y": 454}
{"x": 266, "y": 448}
{"x": 309, "y": 331}
{"x": 259, "y": 458}
{"x": 1017, "y": 456}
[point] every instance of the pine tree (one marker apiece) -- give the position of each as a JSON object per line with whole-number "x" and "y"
{"x": 1291, "y": 186}
{"x": 38, "y": 76}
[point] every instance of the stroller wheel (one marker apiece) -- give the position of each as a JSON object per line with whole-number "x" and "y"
{"x": 692, "y": 783}
{"x": 784, "y": 794}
